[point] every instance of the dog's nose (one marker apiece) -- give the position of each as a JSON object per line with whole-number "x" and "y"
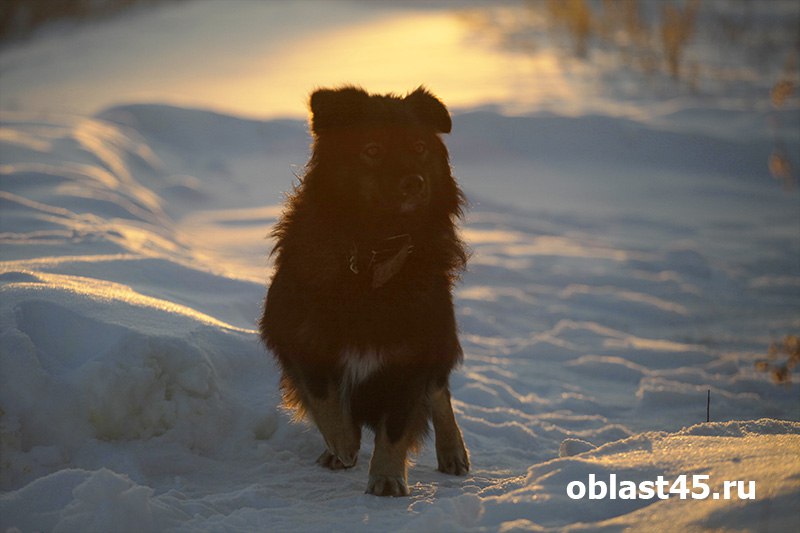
{"x": 411, "y": 185}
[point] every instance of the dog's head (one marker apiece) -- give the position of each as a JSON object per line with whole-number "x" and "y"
{"x": 380, "y": 155}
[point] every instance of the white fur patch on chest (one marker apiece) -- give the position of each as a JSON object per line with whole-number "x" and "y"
{"x": 357, "y": 367}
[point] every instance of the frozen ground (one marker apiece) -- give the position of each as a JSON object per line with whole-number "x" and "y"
{"x": 620, "y": 270}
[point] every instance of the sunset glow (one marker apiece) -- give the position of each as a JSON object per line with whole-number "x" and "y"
{"x": 249, "y": 64}
{"x": 436, "y": 49}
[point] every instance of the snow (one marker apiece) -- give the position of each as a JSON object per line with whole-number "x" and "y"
{"x": 621, "y": 268}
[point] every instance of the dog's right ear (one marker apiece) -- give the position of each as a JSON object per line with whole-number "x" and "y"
{"x": 337, "y": 108}
{"x": 430, "y": 109}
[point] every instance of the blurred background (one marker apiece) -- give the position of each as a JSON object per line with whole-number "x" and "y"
{"x": 262, "y": 57}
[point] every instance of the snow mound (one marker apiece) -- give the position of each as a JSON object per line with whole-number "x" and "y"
{"x": 762, "y": 451}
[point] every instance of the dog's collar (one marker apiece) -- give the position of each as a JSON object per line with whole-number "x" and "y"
{"x": 386, "y": 258}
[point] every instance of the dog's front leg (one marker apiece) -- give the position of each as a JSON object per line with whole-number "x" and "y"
{"x": 388, "y": 472}
{"x": 342, "y": 436}
{"x": 450, "y": 450}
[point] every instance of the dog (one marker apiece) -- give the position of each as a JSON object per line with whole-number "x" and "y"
{"x": 359, "y": 312}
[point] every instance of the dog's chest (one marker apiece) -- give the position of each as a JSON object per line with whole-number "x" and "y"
{"x": 358, "y": 366}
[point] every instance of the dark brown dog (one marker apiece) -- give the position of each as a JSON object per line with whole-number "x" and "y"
{"x": 359, "y": 313}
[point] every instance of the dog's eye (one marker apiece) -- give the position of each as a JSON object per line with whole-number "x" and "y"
{"x": 419, "y": 148}
{"x": 372, "y": 150}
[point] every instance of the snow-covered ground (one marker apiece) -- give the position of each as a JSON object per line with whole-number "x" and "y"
{"x": 621, "y": 269}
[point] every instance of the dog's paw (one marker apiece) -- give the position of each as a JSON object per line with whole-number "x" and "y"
{"x": 328, "y": 460}
{"x": 344, "y": 450}
{"x": 380, "y": 485}
{"x": 453, "y": 461}
{"x": 343, "y": 446}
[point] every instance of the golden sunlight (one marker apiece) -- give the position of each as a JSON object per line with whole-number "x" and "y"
{"x": 397, "y": 54}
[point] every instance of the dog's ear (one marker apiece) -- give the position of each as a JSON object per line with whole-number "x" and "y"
{"x": 336, "y": 108}
{"x": 430, "y": 110}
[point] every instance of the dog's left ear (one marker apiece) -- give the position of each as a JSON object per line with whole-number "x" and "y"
{"x": 430, "y": 110}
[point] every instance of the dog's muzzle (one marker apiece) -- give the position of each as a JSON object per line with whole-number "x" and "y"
{"x": 413, "y": 193}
